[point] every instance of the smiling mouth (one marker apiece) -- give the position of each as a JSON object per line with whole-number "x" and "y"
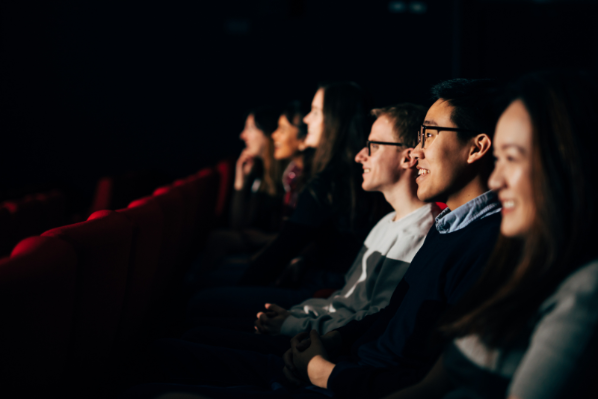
{"x": 509, "y": 204}
{"x": 366, "y": 171}
{"x": 423, "y": 172}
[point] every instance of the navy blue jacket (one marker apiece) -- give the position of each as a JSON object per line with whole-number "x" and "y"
{"x": 390, "y": 350}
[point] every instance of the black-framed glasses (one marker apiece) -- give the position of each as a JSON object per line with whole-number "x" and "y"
{"x": 427, "y": 134}
{"x": 369, "y": 145}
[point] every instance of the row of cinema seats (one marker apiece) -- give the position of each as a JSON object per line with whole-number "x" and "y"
{"x": 75, "y": 295}
{"x": 29, "y": 216}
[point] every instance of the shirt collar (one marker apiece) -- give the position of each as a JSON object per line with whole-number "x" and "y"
{"x": 478, "y": 208}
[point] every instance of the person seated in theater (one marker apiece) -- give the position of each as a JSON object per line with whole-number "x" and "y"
{"x": 259, "y": 204}
{"x": 529, "y": 328}
{"x": 390, "y": 246}
{"x": 388, "y": 350}
{"x": 333, "y": 214}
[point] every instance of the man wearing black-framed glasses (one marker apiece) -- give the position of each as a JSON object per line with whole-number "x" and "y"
{"x": 388, "y": 350}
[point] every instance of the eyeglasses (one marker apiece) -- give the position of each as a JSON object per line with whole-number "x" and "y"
{"x": 369, "y": 145}
{"x": 427, "y": 134}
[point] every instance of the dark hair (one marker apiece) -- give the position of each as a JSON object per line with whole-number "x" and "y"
{"x": 346, "y": 127}
{"x": 406, "y": 118}
{"x": 266, "y": 120}
{"x": 522, "y": 273}
{"x": 295, "y": 111}
{"x": 474, "y": 102}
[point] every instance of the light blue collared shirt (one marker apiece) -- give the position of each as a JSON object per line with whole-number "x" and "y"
{"x": 478, "y": 208}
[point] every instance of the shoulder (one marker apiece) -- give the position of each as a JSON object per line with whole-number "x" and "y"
{"x": 578, "y": 290}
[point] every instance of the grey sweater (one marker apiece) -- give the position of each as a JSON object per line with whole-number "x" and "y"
{"x": 380, "y": 265}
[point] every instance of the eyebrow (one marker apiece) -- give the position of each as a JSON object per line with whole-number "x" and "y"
{"x": 430, "y": 123}
{"x": 517, "y": 147}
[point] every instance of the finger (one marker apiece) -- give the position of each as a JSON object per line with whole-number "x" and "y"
{"x": 261, "y": 328}
{"x": 271, "y": 314}
{"x": 298, "y": 338}
{"x": 263, "y": 318}
{"x": 275, "y": 308}
{"x": 291, "y": 377}
{"x": 314, "y": 336}
{"x": 257, "y": 331}
{"x": 303, "y": 345}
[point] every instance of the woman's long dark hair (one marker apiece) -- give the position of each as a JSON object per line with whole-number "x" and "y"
{"x": 522, "y": 273}
{"x": 266, "y": 120}
{"x": 347, "y": 123}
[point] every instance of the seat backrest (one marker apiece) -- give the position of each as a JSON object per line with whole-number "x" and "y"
{"x": 53, "y": 209}
{"x": 7, "y": 237}
{"x": 207, "y": 186}
{"x": 148, "y": 232}
{"x": 441, "y": 205}
{"x": 37, "y": 294}
{"x": 172, "y": 205}
{"x": 27, "y": 215}
{"x": 225, "y": 169}
{"x": 190, "y": 195}
{"x": 102, "y": 198}
{"x": 103, "y": 247}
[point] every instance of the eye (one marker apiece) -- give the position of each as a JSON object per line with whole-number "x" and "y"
{"x": 374, "y": 146}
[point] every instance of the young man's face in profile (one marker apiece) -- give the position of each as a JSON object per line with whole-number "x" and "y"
{"x": 442, "y": 163}
{"x": 381, "y": 167}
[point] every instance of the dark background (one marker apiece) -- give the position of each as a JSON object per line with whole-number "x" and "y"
{"x": 94, "y": 88}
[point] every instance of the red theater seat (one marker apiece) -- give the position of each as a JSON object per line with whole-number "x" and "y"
{"x": 173, "y": 208}
{"x": 103, "y": 246}
{"x": 226, "y": 172}
{"x": 7, "y": 239}
{"x": 148, "y": 222}
{"x": 53, "y": 209}
{"x": 208, "y": 188}
{"x": 37, "y": 292}
{"x": 190, "y": 195}
{"x": 27, "y": 217}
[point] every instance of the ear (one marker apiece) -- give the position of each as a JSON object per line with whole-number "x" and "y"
{"x": 480, "y": 146}
{"x": 407, "y": 162}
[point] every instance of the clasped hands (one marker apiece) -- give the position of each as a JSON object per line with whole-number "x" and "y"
{"x": 308, "y": 359}
{"x": 270, "y": 321}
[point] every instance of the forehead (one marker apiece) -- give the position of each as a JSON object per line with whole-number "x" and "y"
{"x": 439, "y": 114}
{"x": 382, "y": 129}
{"x": 514, "y": 127}
{"x": 318, "y": 100}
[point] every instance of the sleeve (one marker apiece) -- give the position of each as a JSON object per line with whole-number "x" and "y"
{"x": 238, "y": 209}
{"x": 299, "y": 322}
{"x": 353, "y": 330}
{"x": 559, "y": 347}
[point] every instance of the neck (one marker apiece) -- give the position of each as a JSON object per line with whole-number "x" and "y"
{"x": 471, "y": 190}
{"x": 298, "y": 160}
{"x": 403, "y": 196}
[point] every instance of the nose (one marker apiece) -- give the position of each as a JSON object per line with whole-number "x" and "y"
{"x": 362, "y": 155}
{"x": 243, "y": 136}
{"x": 496, "y": 180}
{"x": 416, "y": 154}
{"x": 306, "y": 118}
